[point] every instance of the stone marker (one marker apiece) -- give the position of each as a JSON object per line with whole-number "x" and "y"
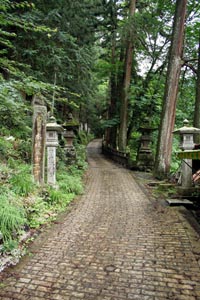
{"x": 39, "y": 139}
{"x": 52, "y": 129}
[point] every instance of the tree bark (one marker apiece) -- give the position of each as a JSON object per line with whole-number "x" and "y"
{"x": 126, "y": 85}
{"x": 197, "y": 100}
{"x": 111, "y": 132}
{"x": 113, "y": 96}
{"x": 164, "y": 148}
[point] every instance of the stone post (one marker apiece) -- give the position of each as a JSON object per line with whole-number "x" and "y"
{"x": 52, "y": 143}
{"x": 38, "y": 139}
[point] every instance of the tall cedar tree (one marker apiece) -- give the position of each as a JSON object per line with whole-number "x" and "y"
{"x": 164, "y": 148}
{"x": 197, "y": 100}
{"x": 126, "y": 84}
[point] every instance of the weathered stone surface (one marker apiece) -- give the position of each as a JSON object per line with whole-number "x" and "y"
{"x": 113, "y": 245}
{"x": 179, "y": 202}
{"x": 39, "y": 138}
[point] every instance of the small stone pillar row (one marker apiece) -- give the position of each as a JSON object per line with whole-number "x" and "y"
{"x": 52, "y": 129}
{"x": 38, "y": 140}
{"x": 187, "y": 143}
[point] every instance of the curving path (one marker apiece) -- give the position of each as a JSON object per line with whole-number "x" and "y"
{"x": 114, "y": 244}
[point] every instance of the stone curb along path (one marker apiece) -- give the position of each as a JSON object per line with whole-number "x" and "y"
{"x": 114, "y": 244}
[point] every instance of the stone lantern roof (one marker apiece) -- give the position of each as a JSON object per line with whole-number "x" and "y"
{"x": 53, "y": 125}
{"x": 186, "y": 129}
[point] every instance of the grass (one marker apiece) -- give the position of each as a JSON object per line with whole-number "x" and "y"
{"x": 26, "y": 205}
{"x": 12, "y": 216}
{"x": 22, "y": 182}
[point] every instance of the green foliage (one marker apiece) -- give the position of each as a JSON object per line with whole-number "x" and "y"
{"x": 81, "y": 164}
{"x": 13, "y": 111}
{"x": 57, "y": 197}
{"x": 109, "y": 123}
{"x": 12, "y": 216}
{"x": 38, "y": 213}
{"x": 22, "y": 182}
{"x": 68, "y": 183}
{"x": 6, "y": 148}
{"x": 9, "y": 246}
{"x": 84, "y": 138}
{"x": 134, "y": 145}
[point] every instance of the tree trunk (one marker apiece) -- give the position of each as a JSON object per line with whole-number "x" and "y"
{"x": 164, "y": 148}
{"x": 113, "y": 96}
{"x": 197, "y": 101}
{"x": 111, "y": 132}
{"x": 126, "y": 85}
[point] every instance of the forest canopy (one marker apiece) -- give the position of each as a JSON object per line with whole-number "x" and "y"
{"x": 104, "y": 61}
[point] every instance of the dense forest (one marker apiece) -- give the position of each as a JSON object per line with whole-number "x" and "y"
{"x": 115, "y": 65}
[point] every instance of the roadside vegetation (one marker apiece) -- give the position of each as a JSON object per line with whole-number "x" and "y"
{"x": 25, "y": 207}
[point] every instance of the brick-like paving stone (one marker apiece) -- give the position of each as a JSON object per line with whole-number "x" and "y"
{"x": 114, "y": 244}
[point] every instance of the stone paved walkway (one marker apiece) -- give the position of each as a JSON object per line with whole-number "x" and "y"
{"x": 114, "y": 244}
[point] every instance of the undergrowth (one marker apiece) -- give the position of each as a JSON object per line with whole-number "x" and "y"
{"x": 23, "y": 204}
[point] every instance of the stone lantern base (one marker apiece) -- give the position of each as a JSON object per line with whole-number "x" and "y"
{"x": 70, "y": 154}
{"x": 145, "y": 160}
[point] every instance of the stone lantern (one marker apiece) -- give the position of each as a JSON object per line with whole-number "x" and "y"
{"x": 69, "y": 127}
{"x": 52, "y": 129}
{"x": 145, "y": 157}
{"x": 187, "y": 135}
{"x": 187, "y": 144}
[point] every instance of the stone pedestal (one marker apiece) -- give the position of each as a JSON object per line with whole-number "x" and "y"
{"x": 186, "y": 173}
{"x": 51, "y": 165}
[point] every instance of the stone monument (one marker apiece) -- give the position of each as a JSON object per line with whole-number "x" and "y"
{"x": 52, "y": 129}
{"x": 38, "y": 139}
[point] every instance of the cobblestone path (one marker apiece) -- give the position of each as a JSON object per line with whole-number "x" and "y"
{"x": 115, "y": 243}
